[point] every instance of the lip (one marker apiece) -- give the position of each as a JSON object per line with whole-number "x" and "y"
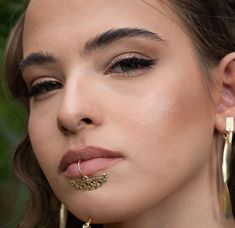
{"x": 92, "y": 159}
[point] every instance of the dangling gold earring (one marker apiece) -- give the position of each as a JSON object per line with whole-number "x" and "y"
{"x": 63, "y": 216}
{"x": 226, "y": 204}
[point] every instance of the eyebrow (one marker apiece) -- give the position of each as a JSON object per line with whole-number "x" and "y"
{"x": 37, "y": 58}
{"x": 106, "y": 38}
{"x": 100, "y": 41}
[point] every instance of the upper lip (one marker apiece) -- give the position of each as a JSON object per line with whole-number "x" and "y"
{"x": 85, "y": 153}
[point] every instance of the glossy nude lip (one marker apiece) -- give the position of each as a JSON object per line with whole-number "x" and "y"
{"x": 92, "y": 159}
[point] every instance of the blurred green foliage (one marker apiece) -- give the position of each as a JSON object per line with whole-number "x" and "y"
{"x": 12, "y": 129}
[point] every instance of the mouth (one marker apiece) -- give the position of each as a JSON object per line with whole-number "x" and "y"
{"x": 91, "y": 160}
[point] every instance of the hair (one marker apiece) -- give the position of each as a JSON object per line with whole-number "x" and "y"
{"x": 210, "y": 25}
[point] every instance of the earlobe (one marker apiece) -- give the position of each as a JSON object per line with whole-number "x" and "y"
{"x": 226, "y": 99}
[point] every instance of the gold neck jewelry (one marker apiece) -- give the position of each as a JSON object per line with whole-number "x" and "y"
{"x": 87, "y": 225}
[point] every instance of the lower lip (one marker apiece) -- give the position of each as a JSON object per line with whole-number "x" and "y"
{"x": 89, "y": 167}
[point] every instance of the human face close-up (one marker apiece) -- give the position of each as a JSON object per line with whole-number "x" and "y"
{"x": 140, "y": 93}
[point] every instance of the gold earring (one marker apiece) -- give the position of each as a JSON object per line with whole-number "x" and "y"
{"x": 63, "y": 216}
{"x": 226, "y": 204}
{"x": 87, "y": 225}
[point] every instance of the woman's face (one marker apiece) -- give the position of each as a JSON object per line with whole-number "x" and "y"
{"x": 139, "y": 92}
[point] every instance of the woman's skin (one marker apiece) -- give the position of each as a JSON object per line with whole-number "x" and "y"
{"x": 163, "y": 120}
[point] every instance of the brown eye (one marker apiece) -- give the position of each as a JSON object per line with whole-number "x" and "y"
{"x": 129, "y": 65}
{"x": 42, "y": 88}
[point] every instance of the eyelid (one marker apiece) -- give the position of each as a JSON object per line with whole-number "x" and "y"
{"x": 43, "y": 79}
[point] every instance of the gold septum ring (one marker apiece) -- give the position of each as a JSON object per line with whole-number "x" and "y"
{"x": 86, "y": 183}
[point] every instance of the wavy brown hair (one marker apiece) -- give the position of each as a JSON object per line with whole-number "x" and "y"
{"x": 211, "y": 26}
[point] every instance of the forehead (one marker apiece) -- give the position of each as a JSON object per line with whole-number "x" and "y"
{"x": 49, "y": 21}
{"x": 101, "y": 8}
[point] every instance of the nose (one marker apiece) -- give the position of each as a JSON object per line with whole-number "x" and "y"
{"x": 78, "y": 110}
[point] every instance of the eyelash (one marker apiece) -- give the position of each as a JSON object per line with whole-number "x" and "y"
{"x": 130, "y": 65}
{"x": 124, "y": 66}
{"x": 43, "y": 87}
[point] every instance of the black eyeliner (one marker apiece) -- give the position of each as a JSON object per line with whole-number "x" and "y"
{"x": 135, "y": 62}
{"x": 41, "y": 88}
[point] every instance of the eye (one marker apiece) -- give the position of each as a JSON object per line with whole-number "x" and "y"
{"x": 130, "y": 65}
{"x": 42, "y": 87}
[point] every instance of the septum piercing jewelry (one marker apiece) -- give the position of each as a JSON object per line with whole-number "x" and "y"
{"x": 79, "y": 168}
{"x": 86, "y": 183}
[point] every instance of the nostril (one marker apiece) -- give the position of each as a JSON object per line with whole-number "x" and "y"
{"x": 73, "y": 127}
{"x": 87, "y": 120}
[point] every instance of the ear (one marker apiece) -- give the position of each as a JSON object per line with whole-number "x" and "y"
{"x": 226, "y": 97}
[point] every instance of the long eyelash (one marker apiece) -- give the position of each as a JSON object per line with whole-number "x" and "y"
{"x": 145, "y": 63}
{"x": 35, "y": 90}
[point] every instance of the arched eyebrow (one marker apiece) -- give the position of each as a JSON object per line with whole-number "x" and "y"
{"x": 106, "y": 38}
{"x": 100, "y": 41}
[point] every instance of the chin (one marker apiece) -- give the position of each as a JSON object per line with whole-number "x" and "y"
{"x": 106, "y": 210}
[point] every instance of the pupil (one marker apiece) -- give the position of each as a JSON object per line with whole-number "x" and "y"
{"x": 50, "y": 86}
{"x": 131, "y": 64}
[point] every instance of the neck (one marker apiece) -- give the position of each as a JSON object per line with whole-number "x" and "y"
{"x": 195, "y": 204}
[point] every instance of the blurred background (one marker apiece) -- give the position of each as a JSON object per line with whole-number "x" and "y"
{"x": 13, "y": 194}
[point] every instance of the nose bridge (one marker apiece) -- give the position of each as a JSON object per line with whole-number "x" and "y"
{"x": 78, "y": 106}
{"x": 75, "y": 95}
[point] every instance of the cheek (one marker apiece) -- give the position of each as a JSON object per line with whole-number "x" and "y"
{"x": 168, "y": 126}
{"x": 43, "y": 136}
{"x": 166, "y": 109}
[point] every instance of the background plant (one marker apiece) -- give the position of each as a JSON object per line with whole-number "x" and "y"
{"x": 12, "y": 129}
